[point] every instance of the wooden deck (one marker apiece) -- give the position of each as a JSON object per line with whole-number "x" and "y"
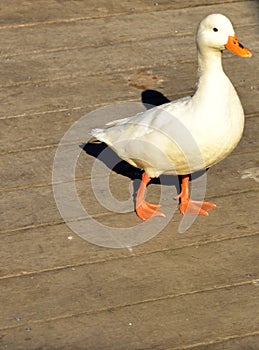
{"x": 198, "y": 290}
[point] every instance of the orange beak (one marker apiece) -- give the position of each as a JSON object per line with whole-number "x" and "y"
{"x": 237, "y": 48}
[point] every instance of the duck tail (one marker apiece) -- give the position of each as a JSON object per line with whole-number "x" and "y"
{"x": 97, "y": 134}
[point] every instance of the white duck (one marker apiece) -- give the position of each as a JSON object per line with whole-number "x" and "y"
{"x": 189, "y": 134}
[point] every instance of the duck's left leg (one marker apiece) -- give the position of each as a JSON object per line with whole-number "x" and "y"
{"x": 144, "y": 209}
{"x": 188, "y": 206}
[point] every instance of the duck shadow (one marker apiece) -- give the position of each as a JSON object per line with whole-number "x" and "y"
{"x": 153, "y": 98}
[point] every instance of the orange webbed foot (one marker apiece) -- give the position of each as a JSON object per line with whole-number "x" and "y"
{"x": 144, "y": 209}
{"x": 148, "y": 210}
{"x": 190, "y": 207}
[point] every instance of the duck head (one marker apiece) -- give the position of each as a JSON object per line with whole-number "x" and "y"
{"x": 216, "y": 33}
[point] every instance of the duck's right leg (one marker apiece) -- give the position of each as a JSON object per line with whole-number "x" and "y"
{"x": 144, "y": 209}
{"x": 188, "y": 206}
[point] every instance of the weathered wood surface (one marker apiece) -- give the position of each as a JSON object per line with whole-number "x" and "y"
{"x": 197, "y": 290}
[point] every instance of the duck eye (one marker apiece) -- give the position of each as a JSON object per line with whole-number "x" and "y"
{"x": 215, "y": 29}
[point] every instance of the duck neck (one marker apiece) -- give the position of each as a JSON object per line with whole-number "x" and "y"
{"x": 210, "y": 62}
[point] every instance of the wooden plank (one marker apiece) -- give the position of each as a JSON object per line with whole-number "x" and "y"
{"x": 39, "y": 68}
{"x": 36, "y": 205}
{"x": 34, "y": 130}
{"x": 15, "y": 12}
{"x": 179, "y": 270}
{"x": 111, "y": 88}
{"x": 108, "y": 32}
{"x": 170, "y": 323}
{"x": 36, "y": 247}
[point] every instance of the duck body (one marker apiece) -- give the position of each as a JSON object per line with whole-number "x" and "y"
{"x": 189, "y": 134}
{"x": 183, "y": 136}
